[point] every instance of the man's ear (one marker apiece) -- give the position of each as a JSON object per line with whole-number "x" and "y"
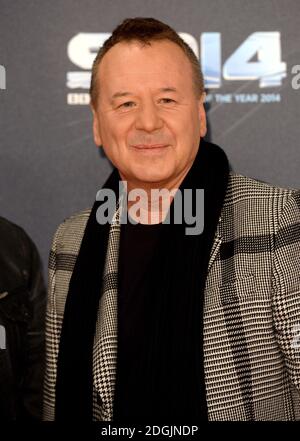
{"x": 96, "y": 128}
{"x": 202, "y": 116}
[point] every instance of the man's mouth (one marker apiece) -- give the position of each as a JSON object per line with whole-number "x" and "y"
{"x": 149, "y": 146}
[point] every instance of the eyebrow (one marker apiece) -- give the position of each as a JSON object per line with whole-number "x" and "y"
{"x": 122, "y": 94}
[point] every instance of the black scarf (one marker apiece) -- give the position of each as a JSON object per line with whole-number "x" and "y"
{"x": 172, "y": 377}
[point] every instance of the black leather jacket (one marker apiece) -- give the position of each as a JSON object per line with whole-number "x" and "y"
{"x": 22, "y": 317}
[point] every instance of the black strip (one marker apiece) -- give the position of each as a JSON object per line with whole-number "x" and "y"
{"x": 62, "y": 261}
{"x": 246, "y": 244}
{"x": 288, "y": 236}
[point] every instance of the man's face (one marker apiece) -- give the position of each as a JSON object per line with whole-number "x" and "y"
{"x": 148, "y": 117}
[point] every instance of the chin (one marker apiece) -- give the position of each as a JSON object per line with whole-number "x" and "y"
{"x": 140, "y": 181}
{"x": 152, "y": 175}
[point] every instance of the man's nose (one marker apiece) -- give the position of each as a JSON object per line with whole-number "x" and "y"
{"x": 148, "y": 118}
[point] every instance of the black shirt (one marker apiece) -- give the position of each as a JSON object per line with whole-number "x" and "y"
{"x": 137, "y": 246}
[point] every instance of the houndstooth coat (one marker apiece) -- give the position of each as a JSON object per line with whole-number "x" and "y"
{"x": 251, "y": 308}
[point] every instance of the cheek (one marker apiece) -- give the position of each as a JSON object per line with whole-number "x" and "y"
{"x": 110, "y": 134}
{"x": 117, "y": 130}
{"x": 194, "y": 123}
{"x": 184, "y": 127}
{"x": 186, "y": 131}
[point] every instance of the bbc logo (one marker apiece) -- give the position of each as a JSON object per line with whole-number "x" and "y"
{"x": 2, "y": 77}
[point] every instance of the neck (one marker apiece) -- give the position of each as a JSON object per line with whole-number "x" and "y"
{"x": 149, "y": 203}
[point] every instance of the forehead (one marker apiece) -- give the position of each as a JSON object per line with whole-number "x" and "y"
{"x": 144, "y": 64}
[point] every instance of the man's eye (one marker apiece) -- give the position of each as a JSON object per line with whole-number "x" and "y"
{"x": 127, "y": 104}
{"x": 167, "y": 100}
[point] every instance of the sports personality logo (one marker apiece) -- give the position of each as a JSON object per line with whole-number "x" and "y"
{"x": 257, "y": 58}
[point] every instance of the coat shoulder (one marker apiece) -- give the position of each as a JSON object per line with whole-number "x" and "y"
{"x": 244, "y": 188}
{"x": 78, "y": 217}
{"x": 252, "y": 207}
{"x": 69, "y": 234}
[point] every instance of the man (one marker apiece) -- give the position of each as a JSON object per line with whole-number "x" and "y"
{"x": 147, "y": 323}
{"x": 22, "y": 318}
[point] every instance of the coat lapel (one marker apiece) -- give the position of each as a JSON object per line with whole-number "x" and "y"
{"x": 105, "y": 343}
{"x": 216, "y": 245}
